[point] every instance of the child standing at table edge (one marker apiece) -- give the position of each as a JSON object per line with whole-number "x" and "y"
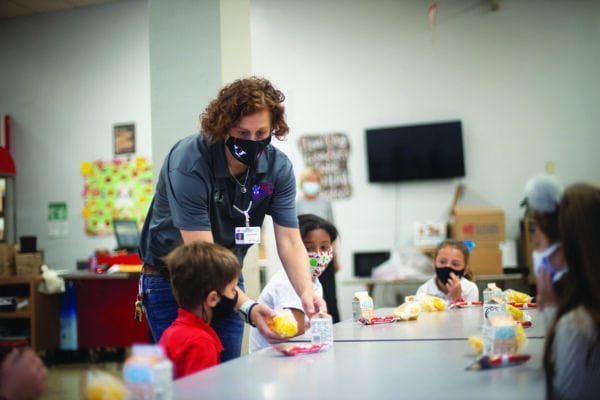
{"x": 451, "y": 266}
{"x": 318, "y": 236}
{"x": 204, "y": 277}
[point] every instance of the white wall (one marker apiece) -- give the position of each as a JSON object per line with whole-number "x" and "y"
{"x": 523, "y": 80}
{"x": 185, "y": 69}
{"x": 65, "y": 79}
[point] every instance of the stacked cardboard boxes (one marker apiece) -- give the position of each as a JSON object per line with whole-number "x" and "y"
{"x": 485, "y": 226}
{"x": 29, "y": 263}
{"x": 7, "y": 259}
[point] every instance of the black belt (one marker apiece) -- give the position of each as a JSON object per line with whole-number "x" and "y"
{"x": 148, "y": 269}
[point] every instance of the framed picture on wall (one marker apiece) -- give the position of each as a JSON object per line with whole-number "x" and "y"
{"x": 124, "y": 138}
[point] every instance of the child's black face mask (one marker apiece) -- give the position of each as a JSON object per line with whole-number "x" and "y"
{"x": 225, "y": 306}
{"x": 443, "y": 273}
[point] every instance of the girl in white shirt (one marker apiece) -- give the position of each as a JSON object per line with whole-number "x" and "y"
{"x": 318, "y": 236}
{"x": 451, "y": 266}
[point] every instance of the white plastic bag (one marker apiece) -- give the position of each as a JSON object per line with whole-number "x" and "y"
{"x": 51, "y": 282}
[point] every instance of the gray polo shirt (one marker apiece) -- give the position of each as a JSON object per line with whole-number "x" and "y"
{"x": 195, "y": 192}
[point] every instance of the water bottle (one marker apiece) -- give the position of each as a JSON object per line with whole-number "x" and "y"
{"x": 68, "y": 319}
{"x": 321, "y": 326}
{"x": 148, "y": 374}
{"x": 492, "y": 301}
{"x": 488, "y": 292}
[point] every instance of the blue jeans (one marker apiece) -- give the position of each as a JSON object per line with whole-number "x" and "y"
{"x": 161, "y": 310}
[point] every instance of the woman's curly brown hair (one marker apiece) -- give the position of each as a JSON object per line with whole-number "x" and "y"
{"x": 239, "y": 99}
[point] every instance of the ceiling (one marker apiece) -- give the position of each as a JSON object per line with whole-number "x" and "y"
{"x": 22, "y": 8}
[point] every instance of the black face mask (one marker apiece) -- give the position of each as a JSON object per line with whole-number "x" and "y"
{"x": 443, "y": 273}
{"x": 247, "y": 151}
{"x": 225, "y": 306}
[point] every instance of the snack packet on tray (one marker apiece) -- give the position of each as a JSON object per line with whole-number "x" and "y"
{"x": 379, "y": 320}
{"x": 408, "y": 311}
{"x": 519, "y": 315}
{"x": 291, "y": 349}
{"x": 432, "y": 303}
{"x": 511, "y": 295}
{"x": 497, "y": 361}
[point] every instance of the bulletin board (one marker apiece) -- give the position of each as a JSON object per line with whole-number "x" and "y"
{"x": 121, "y": 189}
{"x": 329, "y": 154}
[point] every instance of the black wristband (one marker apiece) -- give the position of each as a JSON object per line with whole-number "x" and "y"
{"x": 250, "y": 314}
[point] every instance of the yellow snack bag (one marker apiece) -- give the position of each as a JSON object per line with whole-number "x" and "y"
{"x": 512, "y": 295}
{"x": 432, "y": 303}
{"x": 520, "y": 336}
{"x": 101, "y": 385}
{"x": 408, "y": 311}
{"x": 284, "y": 323}
{"x": 476, "y": 342}
{"x": 516, "y": 313}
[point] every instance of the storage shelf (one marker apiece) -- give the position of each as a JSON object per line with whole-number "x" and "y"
{"x": 8, "y": 280}
{"x": 15, "y": 314}
{"x": 40, "y": 316}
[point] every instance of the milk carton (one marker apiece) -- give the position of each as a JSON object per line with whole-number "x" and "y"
{"x": 321, "y": 328}
{"x": 362, "y": 306}
{"x": 499, "y": 334}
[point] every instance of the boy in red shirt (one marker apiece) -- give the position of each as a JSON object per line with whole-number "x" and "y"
{"x": 204, "y": 277}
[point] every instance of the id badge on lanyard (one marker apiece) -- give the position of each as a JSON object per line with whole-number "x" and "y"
{"x": 246, "y": 234}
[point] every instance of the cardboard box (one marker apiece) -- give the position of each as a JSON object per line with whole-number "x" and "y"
{"x": 486, "y": 259}
{"x": 7, "y": 259}
{"x": 29, "y": 263}
{"x": 475, "y": 222}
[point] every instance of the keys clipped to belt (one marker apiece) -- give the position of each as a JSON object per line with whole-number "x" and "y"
{"x": 139, "y": 309}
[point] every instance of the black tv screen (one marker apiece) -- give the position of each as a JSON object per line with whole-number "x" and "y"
{"x": 415, "y": 152}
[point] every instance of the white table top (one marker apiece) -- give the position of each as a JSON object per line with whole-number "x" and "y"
{"x": 441, "y": 325}
{"x": 374, "y": 370}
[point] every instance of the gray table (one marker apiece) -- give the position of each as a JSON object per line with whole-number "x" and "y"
{"x": 360, "y": 370}
{"x": 442, "y": 325}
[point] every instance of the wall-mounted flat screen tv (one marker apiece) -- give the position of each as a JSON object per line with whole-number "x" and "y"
{"x": 415, "y": 152}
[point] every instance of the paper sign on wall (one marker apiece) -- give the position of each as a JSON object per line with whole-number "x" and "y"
{"x": 329, "y": 154}
{"x": 58, "y": 226}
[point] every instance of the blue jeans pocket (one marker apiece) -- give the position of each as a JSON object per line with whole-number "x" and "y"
{"x": 159, "y": 304}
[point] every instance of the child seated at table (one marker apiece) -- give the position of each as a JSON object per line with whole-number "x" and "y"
{"x": 451, "y": 266}
{"x": 318, "y": 235}
{"x": 572, "y": 349}
{"x": 204, "y": 277}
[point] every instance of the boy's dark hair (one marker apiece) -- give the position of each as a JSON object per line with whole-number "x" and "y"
{"x": 310, "y": 222}
{"x": 198, "y": 268}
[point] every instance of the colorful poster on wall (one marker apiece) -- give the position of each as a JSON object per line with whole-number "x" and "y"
{"x": 117, "y": 189}
{"x": 329, "y": 153}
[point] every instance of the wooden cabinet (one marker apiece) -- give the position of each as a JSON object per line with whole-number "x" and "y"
{"x": 105, "y": 310}
{"x": 38, "y": 322}
{"x": 527, "y": 229}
